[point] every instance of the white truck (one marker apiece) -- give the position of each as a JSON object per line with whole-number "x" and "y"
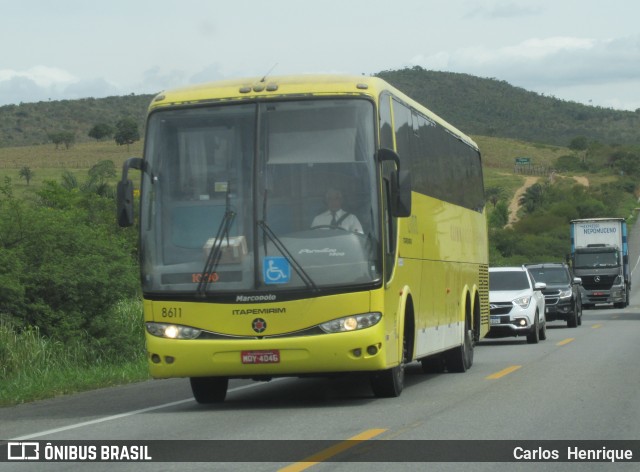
{"x": 600, "y": 257}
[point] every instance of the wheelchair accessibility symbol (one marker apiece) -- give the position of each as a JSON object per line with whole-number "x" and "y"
{"x": 276, "y": 270}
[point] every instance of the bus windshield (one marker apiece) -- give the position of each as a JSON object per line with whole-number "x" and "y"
{"x": 239, "y": 198}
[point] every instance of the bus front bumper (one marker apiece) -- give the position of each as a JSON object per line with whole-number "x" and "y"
{"x": 364, "y": 350}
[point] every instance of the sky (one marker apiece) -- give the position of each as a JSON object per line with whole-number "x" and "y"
{"x": 587, "y": 51}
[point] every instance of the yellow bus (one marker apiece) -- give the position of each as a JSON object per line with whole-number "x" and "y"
{"x": 246, "y": 273}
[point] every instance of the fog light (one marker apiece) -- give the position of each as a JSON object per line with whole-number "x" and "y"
{"x": 169, "y": 359}
{"x": 372, "y": 350}
{"x": 357, "y": 352}
{"x": 523, "y": 322}
{"x": 155, "y": 358}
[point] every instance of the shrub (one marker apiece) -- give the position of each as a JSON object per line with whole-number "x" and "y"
{"x": 65, "y": 263}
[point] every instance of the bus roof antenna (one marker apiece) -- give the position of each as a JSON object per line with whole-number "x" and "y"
{"x": 268, "y": 72}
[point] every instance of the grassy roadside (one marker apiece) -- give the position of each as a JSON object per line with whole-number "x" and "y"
{"x": 48, "y": 163}
{"x": 34, "y": 368}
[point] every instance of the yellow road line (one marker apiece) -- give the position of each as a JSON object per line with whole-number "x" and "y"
{"x": 503, "y": 372}
{"x": 565, "y": 341}
{"x": 332, "y": 451}
{"x": 596, "y": 326}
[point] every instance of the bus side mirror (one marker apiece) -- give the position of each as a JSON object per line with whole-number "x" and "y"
{"x": 125, "y": 203}
{"x": 124, "y": 194}
{"x": 400, "y": 184}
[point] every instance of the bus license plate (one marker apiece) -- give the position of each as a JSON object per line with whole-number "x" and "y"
{"x": 260, "y": 357}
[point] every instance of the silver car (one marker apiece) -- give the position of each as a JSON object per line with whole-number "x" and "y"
{"x": 517, "y": 304}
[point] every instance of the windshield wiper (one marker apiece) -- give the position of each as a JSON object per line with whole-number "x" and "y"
{"x": 216, "y": 252}
{"x": 308, "y": 281}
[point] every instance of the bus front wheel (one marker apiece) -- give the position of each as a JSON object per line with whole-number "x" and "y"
{"x": 390, "y": 382}
{"x": 209, "y": 389}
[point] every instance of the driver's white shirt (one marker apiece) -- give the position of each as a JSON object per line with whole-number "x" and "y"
{"x": 350, "y": 223}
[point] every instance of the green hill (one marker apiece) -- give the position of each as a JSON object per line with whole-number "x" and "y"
{"x": 491, "y": 107}
{"x": 30, "y": 123}
{"x": 478, "y": 106}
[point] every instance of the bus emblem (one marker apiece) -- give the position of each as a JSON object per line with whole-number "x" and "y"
{"x": 259, "y": 325}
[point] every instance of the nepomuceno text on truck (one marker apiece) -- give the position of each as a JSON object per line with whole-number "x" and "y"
{"x": 600, "y": 257}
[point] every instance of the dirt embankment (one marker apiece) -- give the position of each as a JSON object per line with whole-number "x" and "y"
{"x": 514, "y": 206}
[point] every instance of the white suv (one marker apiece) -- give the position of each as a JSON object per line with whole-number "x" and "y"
{"x": 517, "y": 304}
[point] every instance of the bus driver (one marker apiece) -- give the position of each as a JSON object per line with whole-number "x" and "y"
{"x": 335, "y": 216}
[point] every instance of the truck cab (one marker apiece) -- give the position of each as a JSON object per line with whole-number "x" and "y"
{"x": 601, "y": 270}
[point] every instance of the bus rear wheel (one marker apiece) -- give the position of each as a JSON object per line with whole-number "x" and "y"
{"x": 460, "y": 359}
{"x": 209, "y": 389}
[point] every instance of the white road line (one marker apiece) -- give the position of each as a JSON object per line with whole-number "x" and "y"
{"x": 635, "y": 266}
{"x": 121, "y": 415}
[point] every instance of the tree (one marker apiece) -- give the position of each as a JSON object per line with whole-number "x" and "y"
{"x": 68, "y": 138}
{"x": 579, "y": 143}
{"x": 493, "y": 195}
{"x": 126, "y": 132}
{"x": 26, "y": 173}
{"x": 97, "y": 183}
{"x": 532, "y": 198}
{"x": 101, "y": 131}
{"x": 99, "y": 176}
{"x": 626, "y": 162}
{"x": 499, "y": 217}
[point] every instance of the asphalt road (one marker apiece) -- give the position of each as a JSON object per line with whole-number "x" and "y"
{"x": 580, "y": 384}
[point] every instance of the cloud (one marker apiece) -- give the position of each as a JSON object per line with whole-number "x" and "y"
{"x": 502, "y": 10}
{"x": 34, "y": 84}
{"x": 155, "y": 80}
{"x": 42, "y": 83}
{"x": 555, "y": 60}
{"x": 209, "y": 74}
{"x": 91, "y": 88}
{"x": 41, "y": 76}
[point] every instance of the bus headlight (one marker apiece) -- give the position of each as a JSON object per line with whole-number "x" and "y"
{"x": 351, "y": 323}
{"x": 171, "y": 331}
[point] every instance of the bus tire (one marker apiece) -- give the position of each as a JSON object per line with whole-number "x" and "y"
{"x": 389, "y": 383}
{"x": 209, "y": 389}
{"x": 460, "y": 358}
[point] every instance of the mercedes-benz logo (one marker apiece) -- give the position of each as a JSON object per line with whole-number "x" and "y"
{"x": 597, "y": 278}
